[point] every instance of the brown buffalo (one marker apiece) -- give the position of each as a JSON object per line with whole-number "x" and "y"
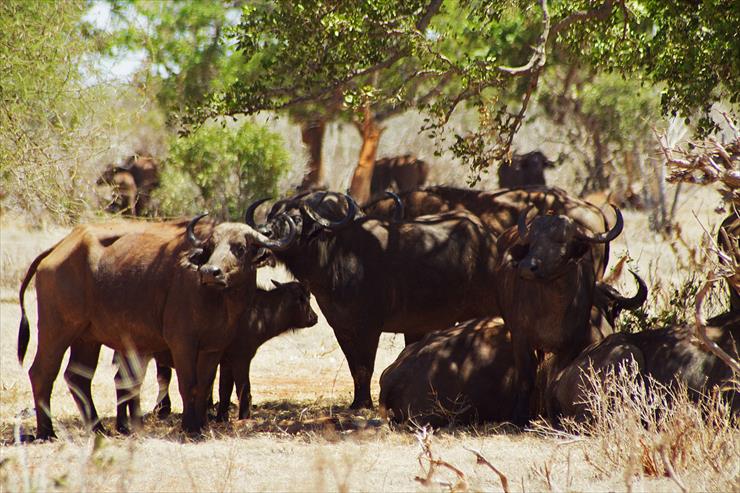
{"x": 133, "y": 183}
{"x": 668, "y": 355}
{"x": 371, "y": 275}
{"x": 499, "y": 209}
{"x": 524, "y": 170}
{"x": 402, "y": 173}
{"x": 145, "y": 287}
{"x": 272, "y": 313}
{"x": 546, "y": 285}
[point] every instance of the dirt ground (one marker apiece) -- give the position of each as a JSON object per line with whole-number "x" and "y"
{"x": 301, "y": 437}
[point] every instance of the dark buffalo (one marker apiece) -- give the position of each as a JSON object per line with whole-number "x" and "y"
{"x": 546, "y": 285}
{"x": 402, "y": 173}
{"x": 499, "y": 209}
{"x": 466, "y": 373}
{"x": 728, "y": 239}
{"x": 273, "y": 312}
{"x": 145, "y": 287}
{"x": 669, "y": 356}
{"x": 462, "y": 374}
{"x": 372, "y": 275}
{"x": 133, "y": 183}
{"x": 524, "y": 170}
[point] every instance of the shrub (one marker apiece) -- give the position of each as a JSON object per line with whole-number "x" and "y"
{"x": 221, "y": 168}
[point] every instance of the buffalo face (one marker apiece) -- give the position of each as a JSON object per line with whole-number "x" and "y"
{"x": 232, "y": 252}
{"x": 548, "y": 244}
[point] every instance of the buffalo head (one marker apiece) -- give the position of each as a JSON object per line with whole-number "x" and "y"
{"x": 309, "y": 212}
{"x": 547, "y": 244}
{"x": 232, "y": 251}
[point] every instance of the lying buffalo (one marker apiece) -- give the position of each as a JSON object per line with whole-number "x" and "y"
{"x": 146, "y": 287}
{"x": 462, "y": 374}
{"x": 668, "y": 356}
{"x": 273, "y": 312}
{"x": 372, "y": 275}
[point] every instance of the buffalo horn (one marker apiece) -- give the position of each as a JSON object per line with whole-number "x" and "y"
{"x": 521, "y": 224}
{"x": 333, "y": 225}
{"x": 190, "y": 230}
{"x": 398, "y": 211}
{"x": 281, "y": 244}
{"x": 249, "y": 215}
{"x": 609, "y": 235}
{"x": 638, "y": 299}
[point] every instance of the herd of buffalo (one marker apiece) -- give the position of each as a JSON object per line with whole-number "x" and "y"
{"x": 500, "y": 295}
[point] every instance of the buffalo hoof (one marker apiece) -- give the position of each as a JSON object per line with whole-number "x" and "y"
{"x": 361, "y": 404}
{"x": 163, "y": 410}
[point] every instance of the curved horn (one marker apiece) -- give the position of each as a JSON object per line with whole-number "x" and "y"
{"x": 333, "y": 225}
{"x": 398, "y": 211}
{"x": 609, "y": 235}
{"x": 521, "y": 223}
{"x": 191, "y": 226}
{"x": 638, "y": 299}
{"x": 249, "y": 215}
{"x": 281, "y": 244}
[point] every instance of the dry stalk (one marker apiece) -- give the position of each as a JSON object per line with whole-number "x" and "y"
{"x": 481, "y": 460}
{"x": 424, "y": 438}
{"x": 701, "y": 330}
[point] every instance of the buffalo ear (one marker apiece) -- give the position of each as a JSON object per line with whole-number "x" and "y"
{"x": 276, "y": 283}
{"x": 518, "y": 251}
{"x": 197, "y": 256}
{"x": 262, "y": 257}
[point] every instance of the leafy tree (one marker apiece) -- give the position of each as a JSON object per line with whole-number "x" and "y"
{"x": 52, "y": 122}
{"x": 307, "y": 50}
{"x": 222, "y": 168}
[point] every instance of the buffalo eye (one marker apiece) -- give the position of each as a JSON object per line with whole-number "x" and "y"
{"x": 238, "y": 250}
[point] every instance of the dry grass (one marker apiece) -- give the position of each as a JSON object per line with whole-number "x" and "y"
{"x": 302, "y": 438}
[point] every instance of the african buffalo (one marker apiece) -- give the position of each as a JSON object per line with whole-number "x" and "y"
{"x": 499, "y": 209}
{"x": 728, "y": 238}
{"x": 372, "y": 275}
{"x": 461, "y": 374}
{"x": 145, "y": 287}
{"x": 466, "y": 373}
{"x": 132, "y": 182}
{"x": 669, "y": 355}
{"x": 272, "y": 313}
{"x": 407, "y": 173}
{"x": 524, "y": 170}
{"x": 546, "y": 285}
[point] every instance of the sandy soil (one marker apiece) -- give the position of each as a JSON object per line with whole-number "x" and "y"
{"x": 296, "y": 378}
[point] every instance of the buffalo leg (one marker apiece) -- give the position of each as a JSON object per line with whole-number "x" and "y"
{"x": 206, "y": 372}
{"x": 164, "y": 404}
{"x": 360, "y": 356}
{"x": 526, "y": 369}
{"x": 129, "y": 378}
{"x": 225, "y": 387}
{"x": 49, "y": 354}
{"x": 83, "y": 360}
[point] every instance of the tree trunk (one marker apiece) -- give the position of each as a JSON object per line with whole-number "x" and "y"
{"x": 370, "y": 132}
{"x": 312, "y": 134}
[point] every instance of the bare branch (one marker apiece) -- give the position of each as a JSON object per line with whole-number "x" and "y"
{"x": 701, "y": 330}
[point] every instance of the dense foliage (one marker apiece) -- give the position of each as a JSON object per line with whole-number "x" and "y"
{"x": 221, "y": 168}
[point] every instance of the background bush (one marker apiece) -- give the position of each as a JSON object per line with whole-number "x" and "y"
{"x": 222, "y": 169}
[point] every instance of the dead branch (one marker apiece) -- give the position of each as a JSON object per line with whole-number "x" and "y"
{"x": 481, "y": 460}
{"x": 701, "y": 330}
